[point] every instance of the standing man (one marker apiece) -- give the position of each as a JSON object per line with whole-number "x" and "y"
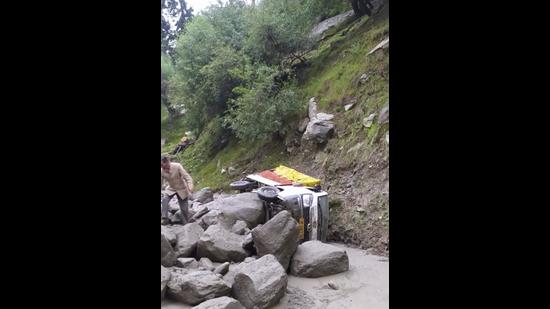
{"x": 180, "y": 184}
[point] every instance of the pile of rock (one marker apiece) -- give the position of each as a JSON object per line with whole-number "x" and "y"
{"x": 230, "y": 258}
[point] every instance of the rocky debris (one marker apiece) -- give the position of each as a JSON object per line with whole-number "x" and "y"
{"x": 316, "y": 259}
{"x": 388, "y": 137}
{"x": 223, "y": 302}
{"x": 367, "y": 121}
{"x": 196, "y": 287}
{"x": 260, "y": 284}
{"x": 168, "y": 234}
{"x": 206, "y": 263}
{"x": 204, "y": 195}
{"x": 244, "y": 206}
{"x": 222, "y": 269}
{"x": 248, "y": 243}
{"x": 187, "y": 237}
{"x": 220, "y": 245}
{"x": 360, "y": 209}
{"x": 382, "y": 45}
{"x": 347, "y": 107}
{"x": 239, "y": 227}
{"x": 319, "y": 128}
{"x": 384, "y": 114}
{"x": 189, "y": 263}
{"x": 164, "y": 278}
{"x": 167, "y": 254}
{"x": 329, "y": 23}
{"x": 279, "y": 236}
{"x": 332, "y": 285}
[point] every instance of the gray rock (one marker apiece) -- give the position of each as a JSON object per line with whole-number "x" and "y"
{"x": 239, "y": 227}
{"x": 167, "y": 254}
{"x": 206, "y": 263}
{"x": 347, "y": 107}
{"x": 312, "y": 109}
{"x": 244, "y": 206}
{"x": 382, "y": 45}
{"x": 220, "y": 245}
{"x": 164, "y": 278}
{"x": 205, "y": 195}
{"x": 222, "y": 269}
{"x": 196, "y": 287}
{"x": 175, "y": 218}
{"x": 223, "y": 302}
{"x": 201, "y": 211}
{"x": 316, "y": 259}
{"x": 248, "y": 243}
{"x": 279, "y": 236}
{"x": 234, "y": 269}
{"x": 367, "y": 121}
{"x": 324, "y": 117}
{"x": 187, "y": 237}
{"x": 384, "y": 114}
{"x": 303, "y": 125}
{"x": 329, "y": 23}
{"x": 319, "y": 131}
{"x": 260, "y": 284}
{"x": 210, "y": 218}
{"x": 169, "y": 234}
{"x": 189, "y": 263}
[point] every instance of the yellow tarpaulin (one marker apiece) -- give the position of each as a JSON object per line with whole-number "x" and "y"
{"x": 296, "y": 176}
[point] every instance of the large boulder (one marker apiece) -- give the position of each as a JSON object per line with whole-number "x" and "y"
{"x": 209, "y": 218}
{"x": 316, "y": 259}
{"x": 260, "y": 284}
{"x": 320, "y": 128}
{"x": 167, "y": 254}
{"x": 164, "y": 278}
{"x": 204, "y": 195}
{"x": 279, "y": 236}
{"x": 195, "y": 287}
{"x": 244, "y": 206}
{"x": 234, "y": 269}
{"x": 220, "y": 245}
{"x": 187, "y": 237}
{"x": 169, "y": 234}
{"x": 223, "y": 302}
{"x": 319, "y": 29}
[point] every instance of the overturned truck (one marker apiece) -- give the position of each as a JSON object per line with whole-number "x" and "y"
{"x": 284, "y": 188}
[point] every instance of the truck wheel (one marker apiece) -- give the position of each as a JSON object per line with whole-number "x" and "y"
{"x": 268, "y": 194}
{"x": 240, "y": 185}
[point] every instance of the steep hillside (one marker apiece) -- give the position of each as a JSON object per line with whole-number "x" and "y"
{"x": 353, "y": 165}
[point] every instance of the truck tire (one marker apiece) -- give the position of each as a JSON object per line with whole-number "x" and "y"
{"x": 268, "y": 194}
